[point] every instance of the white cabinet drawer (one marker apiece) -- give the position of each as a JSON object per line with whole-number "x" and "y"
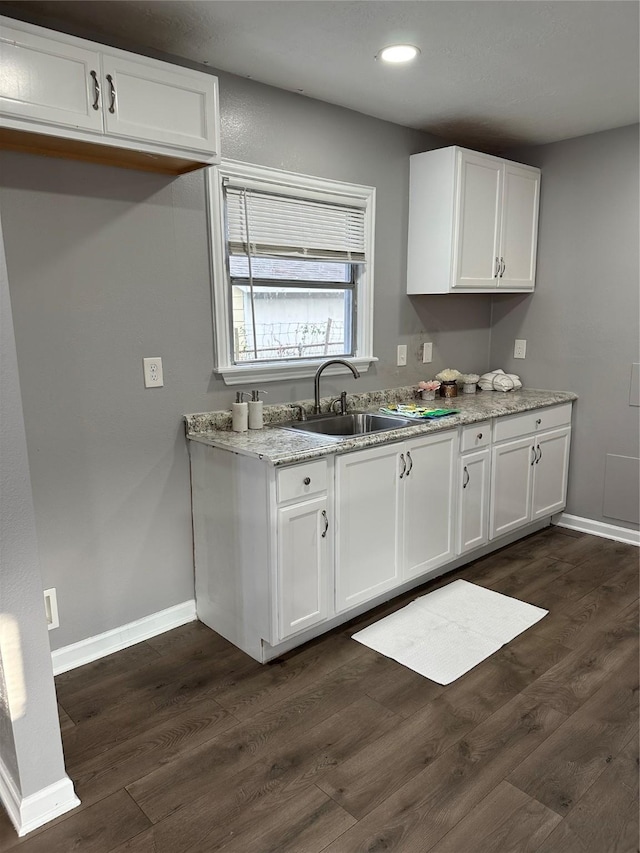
{"x": 301, "y": 481}
{"x": 475, "y": 436}
{"x": 513, "y": 426}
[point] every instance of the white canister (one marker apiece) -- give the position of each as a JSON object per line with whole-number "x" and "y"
{"x": 240, "y": 413}
{"x": 256, "y": 413}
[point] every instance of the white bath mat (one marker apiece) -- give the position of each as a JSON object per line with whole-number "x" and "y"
{"x": 446, "y": 633}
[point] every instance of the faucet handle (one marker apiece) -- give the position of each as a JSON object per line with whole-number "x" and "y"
{"x": 342, "y": 399}
{"x": 303, "y": 412}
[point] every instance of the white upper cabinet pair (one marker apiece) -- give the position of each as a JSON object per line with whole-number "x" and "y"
{"x": 70, "y": 97}
{"x": 473, "y": 223}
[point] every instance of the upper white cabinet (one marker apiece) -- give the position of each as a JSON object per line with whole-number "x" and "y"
{"x": 473, "y": 223}
{"x": 68, "y": 97}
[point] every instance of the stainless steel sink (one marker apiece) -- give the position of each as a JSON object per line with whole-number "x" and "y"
{"x": 356, "y": 423}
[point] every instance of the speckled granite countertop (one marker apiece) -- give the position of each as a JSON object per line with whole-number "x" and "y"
{"x": 279, "y": 446}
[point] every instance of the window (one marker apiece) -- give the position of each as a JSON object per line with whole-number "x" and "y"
{"x": 292, "y": 267}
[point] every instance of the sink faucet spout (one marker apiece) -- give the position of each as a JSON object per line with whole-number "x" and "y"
{"x": 319, "y": 371}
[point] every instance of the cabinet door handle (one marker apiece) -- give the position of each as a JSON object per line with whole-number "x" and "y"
{"x": 96, "y": 91}
{"x": 503, "y": 267}
{"x": 326, "y": 523}
{"x": 497, "y": 272}
{"x": 466, "y": 479}
{"x": 112, "y": 105}
{"x": 404, "y": 466}
{"x": 535, "y": 455}
{"x": 410, "y": 468}
{"x": 539, "y": 457}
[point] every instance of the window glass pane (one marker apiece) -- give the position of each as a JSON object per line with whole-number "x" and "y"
{"x": 289, "y": 269}
{"x": 291, "y": 322}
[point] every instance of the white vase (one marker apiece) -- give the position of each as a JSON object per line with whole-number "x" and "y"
{"x": 428, "y": 395}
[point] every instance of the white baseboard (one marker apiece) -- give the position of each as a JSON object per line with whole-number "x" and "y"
{"x": 85, "y": 651}
{"x": 598, "y": 528}
{"x": 28, "y": 813}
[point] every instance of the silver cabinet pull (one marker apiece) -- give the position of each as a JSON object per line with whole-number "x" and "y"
{"x": 497, "y": 272}
{"x": 539, "y": 456}
{"x": 410, "y": 468}
{"x": 96, "y": 91}
{"x": 326, "y": 523}
{"x": 503, "y": 267}
{"x": 404, "y": 466}
{"x": 535, "y": 455}
{"x": 307, "y": 481}
{"x": 112, "y": 105}
{"x": 467, "y": 478}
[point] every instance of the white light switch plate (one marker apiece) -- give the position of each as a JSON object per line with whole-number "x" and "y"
{"x": 153, "y": 372}
{"x": 427, "y": 353}
{"x": 402, "y": 355}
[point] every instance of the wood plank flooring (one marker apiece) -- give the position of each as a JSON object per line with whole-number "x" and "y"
{"x": 183, "y": 744}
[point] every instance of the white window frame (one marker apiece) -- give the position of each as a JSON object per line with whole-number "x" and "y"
{"x": 304, "y": 186}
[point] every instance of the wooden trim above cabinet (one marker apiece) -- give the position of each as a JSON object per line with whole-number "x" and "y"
{"x": 94, "y": 152}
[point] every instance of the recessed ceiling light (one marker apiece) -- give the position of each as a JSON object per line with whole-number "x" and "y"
{"x": 398, "y": 53}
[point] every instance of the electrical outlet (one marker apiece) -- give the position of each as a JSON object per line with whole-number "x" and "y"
{"x": 51, "y": 608}
{"x": 402, "y": 355}
{"x": 520, "y": 349}
{"x": 427, "y": 353}
{"x": 153, "y": 372}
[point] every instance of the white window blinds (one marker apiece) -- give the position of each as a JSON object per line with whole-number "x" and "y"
{"x": 264, "y": 224}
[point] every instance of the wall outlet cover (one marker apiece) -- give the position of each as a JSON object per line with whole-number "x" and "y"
{"x": 520, "y": 349}
{"x": 153, "y": 377}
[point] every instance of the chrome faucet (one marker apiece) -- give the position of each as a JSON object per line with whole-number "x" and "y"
{"x": 316, "y": 381}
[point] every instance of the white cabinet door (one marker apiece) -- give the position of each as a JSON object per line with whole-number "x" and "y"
{"x": 49, "y": 81}
{"x": 478, "y": 220}
{"x": 303, "y": 567}
{"x": 519, "y": 227}
{"x": 511, "y": 476}
{"x": 157, "y": 104}
{"x": 368, "y": 507}
{"x": 550, "y": 473}
{"x": 473, "y": 500}
{"x": 429, "y": 506}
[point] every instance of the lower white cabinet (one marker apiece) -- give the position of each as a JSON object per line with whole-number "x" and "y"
{"x": 303, "y": 565}
{"x": 429, "y": 503}
{"x": 528, "y": 479}
{"x": 368, "y": 496}
{"x": 280, "y": 552}
{"x": 395, "y": 514}
{"x": 473, "y": 500}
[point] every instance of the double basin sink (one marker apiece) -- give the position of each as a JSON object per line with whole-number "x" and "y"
{"x": 352, "y": 424}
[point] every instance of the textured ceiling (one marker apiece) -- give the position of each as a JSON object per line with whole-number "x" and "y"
{"x": 491, "y": 72}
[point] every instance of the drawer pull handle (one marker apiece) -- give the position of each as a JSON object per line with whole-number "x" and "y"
{"x": 539, "y": 421}
{"x": 112, "y": 105}
{"x": 307, "y": 481}
{"x": 96, "y": 91}
{"x": 326, "y": 523}
{"x": 467, "y": 478}
{"x": 410, "y": 468}
{"x": 479, "y": 436}
{"x": 404, "y": 466}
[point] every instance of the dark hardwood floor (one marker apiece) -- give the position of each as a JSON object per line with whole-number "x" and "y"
{"x": 183, "y": 744}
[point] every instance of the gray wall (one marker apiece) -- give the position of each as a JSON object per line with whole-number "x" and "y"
{"x": 582, "y": 322}
{"x": 109, "y": 265}
{"x": 30, "y": 744}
